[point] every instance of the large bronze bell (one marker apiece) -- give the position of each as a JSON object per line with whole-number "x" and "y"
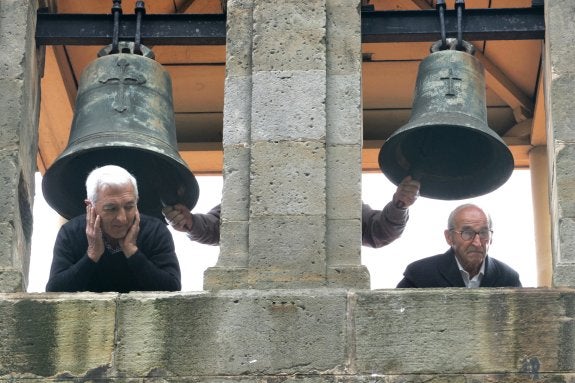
{"x": 447, "y": 145}
{"x": 123, "y": 116}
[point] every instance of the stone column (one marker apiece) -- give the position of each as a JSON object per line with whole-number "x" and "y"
{"x": 291, "y": 207}
{"x": 559, "y": 83}
{"x": 19, "y": 110}
{"x": 538, "y": 164}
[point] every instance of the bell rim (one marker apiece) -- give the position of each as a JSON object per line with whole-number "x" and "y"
{"x": 503, "y": 154}
{"x": 51, "y": 189}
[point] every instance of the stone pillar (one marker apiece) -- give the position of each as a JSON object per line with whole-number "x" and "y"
{"x": 560, "y": 80}
{"x": 19, "y": 111}
{"x": 538, "y": 165}
{"x": 291, "y": 206}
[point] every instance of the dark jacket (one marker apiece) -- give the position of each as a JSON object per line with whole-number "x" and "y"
{"x": 441, "y": 271}
{"x": 154, "y": 267}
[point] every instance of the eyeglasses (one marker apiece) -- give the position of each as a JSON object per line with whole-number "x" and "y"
{"x": 468, "y": 235}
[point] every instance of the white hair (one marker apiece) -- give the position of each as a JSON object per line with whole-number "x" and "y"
{"x": 109, "y": 175}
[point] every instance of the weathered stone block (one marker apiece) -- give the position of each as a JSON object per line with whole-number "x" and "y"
{"x": 558, "y": 20}
{"x": 560, "y": 106}
{"x": 239, "y": 38}
{"x": 288, "y": 105}
{"x": 232, "y": 333}
{"x": 347, "y": 276}
{"x": 344, "y": 114}
{"x": 19, "y": 82}
{"x": 292, "y": 245}
{"x": 52, "y": 334}
{"x": 441, "y": 331}
{"x": 343, "y": 237}
{"x": 17, "y": 20}
{"x": 11, "y": 110}
{"x": 225, "y": 278}
{"x": 15, "y": 222}
{"x": 236, "y": 190}
{"x": 12, "y": 280}
{"x": 234, "y": 248}
{"x": 343, "y": 37}
{"x": 566, "y": 255}
{"x": 15, "y": 245}
{"x": 237, "y": 111}
{"x": 289, "y": 35}
{"x": 10, "y": 172}
{"x": 344, "y": 182}
{"x": 288, "y": 178}
{"x": 563, "y": 274}
{"x": 565, "y": 179}
{"x": 7, "y": 238}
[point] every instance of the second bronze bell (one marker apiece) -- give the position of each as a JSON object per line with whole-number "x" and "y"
{"x": 123, "y": 116}
{"x": 446, "y": 144}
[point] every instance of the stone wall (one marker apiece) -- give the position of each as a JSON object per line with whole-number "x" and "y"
{"x": 317, "y": 335}
{"x": 19, "y": 110}
{"x": 559, "y": 78}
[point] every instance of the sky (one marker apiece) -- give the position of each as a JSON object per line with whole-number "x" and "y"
{"x": 510, "y": 207}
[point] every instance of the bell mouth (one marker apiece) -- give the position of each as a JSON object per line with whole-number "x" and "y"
{"x": 162, "y": 179}
{"x": 128, "y": 47}
{"x": 450, "y": 161}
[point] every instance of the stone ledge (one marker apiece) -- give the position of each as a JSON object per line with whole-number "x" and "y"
{"x": 333, "y": 334}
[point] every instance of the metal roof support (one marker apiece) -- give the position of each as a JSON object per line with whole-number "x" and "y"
{"x": 376, "y": 26}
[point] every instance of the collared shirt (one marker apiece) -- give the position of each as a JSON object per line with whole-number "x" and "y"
{"x": 111, "y": 248}
{"x": 476, "y": 280}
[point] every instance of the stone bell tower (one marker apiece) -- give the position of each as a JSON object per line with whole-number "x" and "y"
{"x": 288, "y": 299}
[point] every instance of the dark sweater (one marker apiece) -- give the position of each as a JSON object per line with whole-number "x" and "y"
{"x": 154, "y": 267}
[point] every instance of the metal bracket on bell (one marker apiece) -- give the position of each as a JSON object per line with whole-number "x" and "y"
{"x": 135, "y": 47}
{"x": 451, "y": 44}
{"x": 127, "y": 47}
{"x": 140, "y": 12}
{"x": 116, "y": 12}
{"x": 444, "y": 43}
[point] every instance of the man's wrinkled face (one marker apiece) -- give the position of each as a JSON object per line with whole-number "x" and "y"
{"x": 470, "y": 252}
{"x": 117, "y": 208}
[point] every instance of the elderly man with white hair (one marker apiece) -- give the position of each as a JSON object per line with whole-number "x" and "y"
{"x": 113, "y": 247}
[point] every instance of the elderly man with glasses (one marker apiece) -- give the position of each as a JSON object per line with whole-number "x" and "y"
{"x": 466, "y": 263}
